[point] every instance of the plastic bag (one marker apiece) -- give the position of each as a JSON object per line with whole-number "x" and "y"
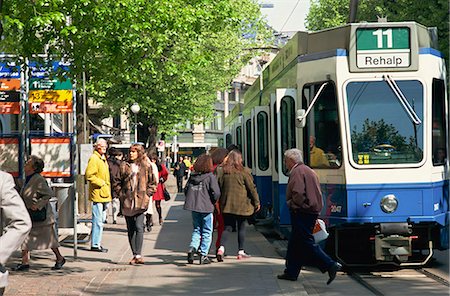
{"x": 320, "y": 232}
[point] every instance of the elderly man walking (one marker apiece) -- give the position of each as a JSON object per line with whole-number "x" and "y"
{"x": 304, "y": 199}
{"x": 16, "y": 221}
{"x": 97, "y": 173}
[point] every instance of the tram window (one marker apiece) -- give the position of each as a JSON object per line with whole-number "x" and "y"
{"x": 228, "y": 140}
{"x": 239, "y": 138}
{"x": 248, "y": 137}
{"x": 287, "y": 126}
{"x": 439, "y": 131}
{"x": 263, "y": 141}
{"x": 381, "y": 130}
{"x": 323, "y": 138}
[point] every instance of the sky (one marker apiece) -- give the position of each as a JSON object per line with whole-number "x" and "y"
{"x": 286, "y": 15}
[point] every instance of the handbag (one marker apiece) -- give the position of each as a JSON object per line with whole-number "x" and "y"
{"x": 166, "y": 194}
{"x": 38, "y": 215}
{"x": 320, "y": 232}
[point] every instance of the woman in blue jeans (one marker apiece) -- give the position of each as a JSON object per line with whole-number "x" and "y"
{"x": 202, "y": 191}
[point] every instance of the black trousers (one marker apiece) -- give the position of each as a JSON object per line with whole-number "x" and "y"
{"x": 180, "y": 184}
{"x": 302, "y": 249}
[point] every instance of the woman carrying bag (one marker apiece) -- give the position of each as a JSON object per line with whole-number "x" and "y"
{"x": 36, "y": 195}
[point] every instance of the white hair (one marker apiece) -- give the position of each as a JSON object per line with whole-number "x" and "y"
{"x": 99, "y": 142}
{"x": 294, "y": 154}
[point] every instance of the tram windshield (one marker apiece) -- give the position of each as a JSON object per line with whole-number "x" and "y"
{"x": 382, "y": 131}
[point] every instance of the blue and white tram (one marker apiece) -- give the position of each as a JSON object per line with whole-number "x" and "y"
{"x": 368, "y": 105}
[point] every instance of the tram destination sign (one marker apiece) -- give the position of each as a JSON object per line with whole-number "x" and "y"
{"x": 383, "y": 47}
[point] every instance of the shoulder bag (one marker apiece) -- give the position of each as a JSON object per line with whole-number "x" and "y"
{"x": 166, "y": 194}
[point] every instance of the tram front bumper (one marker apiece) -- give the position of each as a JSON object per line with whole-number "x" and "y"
{"x": 393, "y": 246}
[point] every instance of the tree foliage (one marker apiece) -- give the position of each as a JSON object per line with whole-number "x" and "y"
{"x": 431, "y": 13}
{"x": 170, "y": 56}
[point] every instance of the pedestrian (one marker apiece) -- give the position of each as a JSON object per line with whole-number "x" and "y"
{"x": 137, "y": 187}
{"x": 114, "y": 161}
{"x": 188, "y": 164}
{"x": 152, "y": 157}
{"x": 97, "y": 173}
{"x": 16, "y": 224}
{"x": 163, "y": 174}
{"x": 304, "y": 200}
{"x": 179, "y": 170}
{"x": 218, "y": 155}
{"x": 238, "y": 201}
{"x": 36, "y": 195}
{"x": 202, "y": 191}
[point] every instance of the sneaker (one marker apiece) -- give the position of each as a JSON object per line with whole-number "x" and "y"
{"x": 204, "y": 260}
{"x": 140, "y": 260}
{"x": 191, "y": 253}
{"x": 99, "y": 249}
{"x": 243, "y": 255}
{"x": 114, "y": 222}
{"x": 59, "y": 264}
{"x": 132, "y": 261}
{"x": 220, "y": 254}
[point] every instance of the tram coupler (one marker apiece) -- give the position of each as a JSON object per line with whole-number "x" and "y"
{"x": 393, "y": 240}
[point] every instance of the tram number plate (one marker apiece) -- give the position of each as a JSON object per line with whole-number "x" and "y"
{"x": 383, "y": 48}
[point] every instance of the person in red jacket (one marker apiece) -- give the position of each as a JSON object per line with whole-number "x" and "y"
{"x": 159, "y": 194}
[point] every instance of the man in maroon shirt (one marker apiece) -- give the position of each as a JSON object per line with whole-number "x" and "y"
{"x": 304, "y": 199}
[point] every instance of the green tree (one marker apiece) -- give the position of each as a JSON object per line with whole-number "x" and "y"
{"x": 431, "y": 13}
{"x": 170, "y": 56}
{"x": 374, "y": 133}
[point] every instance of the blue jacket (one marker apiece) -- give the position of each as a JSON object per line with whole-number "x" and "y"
{"x": 202, "y": 191}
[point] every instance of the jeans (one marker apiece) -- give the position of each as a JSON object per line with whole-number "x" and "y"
{"x": 135, "y": 228}
{"x": 302, "y": 250}
{"x": 98, "y": 216}
{"x": 202, "y": 233}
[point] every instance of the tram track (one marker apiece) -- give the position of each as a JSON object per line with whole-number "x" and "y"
{"x": 371, "y": 281}
{"x": 434, "y": 277}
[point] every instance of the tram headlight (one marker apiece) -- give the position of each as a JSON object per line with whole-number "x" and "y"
{"x": 389, "y": 203}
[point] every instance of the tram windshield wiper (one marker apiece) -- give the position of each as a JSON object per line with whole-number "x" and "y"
{"x": 402, "y": 99}
{"x": 301, "y": 114}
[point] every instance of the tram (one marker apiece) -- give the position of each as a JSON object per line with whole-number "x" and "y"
{"x": 367, "y": 104}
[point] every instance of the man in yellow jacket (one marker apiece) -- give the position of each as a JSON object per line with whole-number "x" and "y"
{"x": 97, "y": 173}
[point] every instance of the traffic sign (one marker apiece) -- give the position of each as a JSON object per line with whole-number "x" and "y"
{"x": 9, "y": 84}
{"x": 383, "y": 47}
{"x": 50, "y": 101}
{"x": 9, "y": 70}
{"x": 38, "y": 96}
{"x": 50, "y": 84}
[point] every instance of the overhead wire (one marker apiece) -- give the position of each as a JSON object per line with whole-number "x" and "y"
{"x": 296, "y": 4}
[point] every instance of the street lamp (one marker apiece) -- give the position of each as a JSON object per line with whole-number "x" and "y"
{"x": 135, "y": 108}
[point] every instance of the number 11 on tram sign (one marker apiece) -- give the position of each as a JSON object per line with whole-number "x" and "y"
{"x": 383, "y": 47}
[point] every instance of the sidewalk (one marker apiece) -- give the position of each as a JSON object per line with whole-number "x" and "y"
{"x": 165, "y": 272}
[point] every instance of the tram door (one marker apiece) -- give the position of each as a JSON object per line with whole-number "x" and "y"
{"x": 247, "y": 146}
{"x": 283, "y": 110}
{"x": 262, "y": 170}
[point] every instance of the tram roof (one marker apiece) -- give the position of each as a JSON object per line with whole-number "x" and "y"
{"x": 338, "y": 38}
